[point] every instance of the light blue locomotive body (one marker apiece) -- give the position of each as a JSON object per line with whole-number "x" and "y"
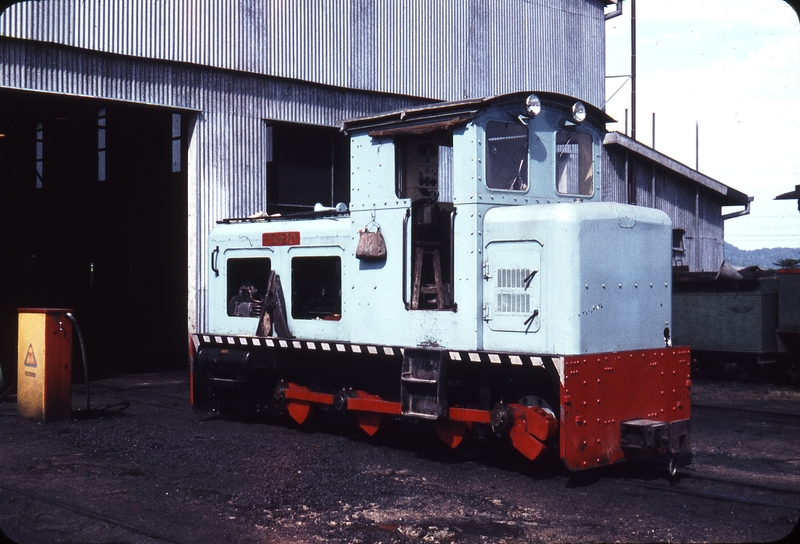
{"x": 475, "y": 259}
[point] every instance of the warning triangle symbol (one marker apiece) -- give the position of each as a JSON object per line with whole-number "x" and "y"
{"x": 30, "y": 358}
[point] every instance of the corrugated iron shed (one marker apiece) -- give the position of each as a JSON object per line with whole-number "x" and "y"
{"x": 442, "y": 49}
{"x": 636, "y": 173}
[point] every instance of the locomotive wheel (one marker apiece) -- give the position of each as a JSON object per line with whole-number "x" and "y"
{"x": 479, "y": 441}
{"x": 469, "y": 440}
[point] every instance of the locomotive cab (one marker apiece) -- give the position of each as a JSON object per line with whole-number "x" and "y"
{"x": 475, "y": 280}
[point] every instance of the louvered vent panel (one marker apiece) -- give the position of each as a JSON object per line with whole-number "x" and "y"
{"x": 517, "y": 303}
{"x": 512, "y": 277}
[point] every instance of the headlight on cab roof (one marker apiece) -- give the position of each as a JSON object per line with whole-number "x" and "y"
{"x": 578, "y": 112}
{"x": 533, "y": 105}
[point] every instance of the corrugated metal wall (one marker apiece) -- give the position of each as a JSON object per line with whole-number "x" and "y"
{"x": 443, "y": 49}
{"x": 227, "y": 154}
{"x": 696, "y": 210}
{"x": 231, "y": 64}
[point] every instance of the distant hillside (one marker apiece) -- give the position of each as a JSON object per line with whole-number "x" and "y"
{"x": 763, "y": 258}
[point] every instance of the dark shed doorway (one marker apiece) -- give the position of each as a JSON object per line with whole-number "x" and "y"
{"x": 93, "y": 216}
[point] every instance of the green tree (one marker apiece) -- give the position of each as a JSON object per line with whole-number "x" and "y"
{"x": 787, "y": 263}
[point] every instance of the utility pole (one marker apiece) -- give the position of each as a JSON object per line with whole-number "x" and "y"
{"x": 633, "y": 69}
{"x": 697, "y": 146}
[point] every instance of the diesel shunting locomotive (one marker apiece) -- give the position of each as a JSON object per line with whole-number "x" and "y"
{"x": 475, "y": 280}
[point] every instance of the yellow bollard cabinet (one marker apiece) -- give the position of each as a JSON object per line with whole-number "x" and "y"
{"x": 44, "y": 377}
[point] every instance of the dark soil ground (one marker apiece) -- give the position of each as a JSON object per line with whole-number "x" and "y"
{"x": 157, "y": 472}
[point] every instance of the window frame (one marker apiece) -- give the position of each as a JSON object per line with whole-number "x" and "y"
{"x": 295, "y": 304}
{"x": 524, "y": 170}
{"x": 591, "y": 168}
{"x": 248, "y": 266}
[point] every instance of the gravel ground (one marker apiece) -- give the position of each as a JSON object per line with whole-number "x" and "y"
{"x": 158, "y": 472}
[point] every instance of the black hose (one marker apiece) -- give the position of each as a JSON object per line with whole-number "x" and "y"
{"x": 102, "y": 411}
{"x": 3, "y": 395}
{"x": 83, "y": 356}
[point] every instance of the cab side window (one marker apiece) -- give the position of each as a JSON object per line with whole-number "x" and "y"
{"x": 506, "y": 156}
{"x": 317, "y": 288}
{"x": 247, "y": 286}
{"x": 574, "y": 169}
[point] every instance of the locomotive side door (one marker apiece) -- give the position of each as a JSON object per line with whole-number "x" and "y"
{"x": 512, "y": 289}
{"x": 424, "y": 176}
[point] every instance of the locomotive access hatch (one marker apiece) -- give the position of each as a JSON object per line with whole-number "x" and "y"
{"x": 512, "y": 292}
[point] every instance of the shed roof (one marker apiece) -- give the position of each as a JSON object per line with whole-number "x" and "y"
{"x": 729, "y": 195}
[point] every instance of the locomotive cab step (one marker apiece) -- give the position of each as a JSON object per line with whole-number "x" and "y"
{"x": 423, "y": 385}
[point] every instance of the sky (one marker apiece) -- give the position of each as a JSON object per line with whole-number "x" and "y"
{"x": 728, "y": 70}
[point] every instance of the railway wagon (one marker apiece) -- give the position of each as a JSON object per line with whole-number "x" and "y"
{"x": 474, "y": 281}
{"x": 740, "y": 323}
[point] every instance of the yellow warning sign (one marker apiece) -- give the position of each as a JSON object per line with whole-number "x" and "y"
{"x": 30, "y": 358}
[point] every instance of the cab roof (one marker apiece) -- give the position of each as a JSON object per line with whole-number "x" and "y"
{"x": 443, "y": 115}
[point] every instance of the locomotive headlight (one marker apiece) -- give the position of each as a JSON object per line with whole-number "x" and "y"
{"x": 578, "y": 112}
{"x": 533, "y": 105}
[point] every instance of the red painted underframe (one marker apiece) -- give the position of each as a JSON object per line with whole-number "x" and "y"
{"x": 601, "y": 391}
{"x": 374, "y": 405}
{"x": 294, "y": 392}
{"x": 470, "y": 415}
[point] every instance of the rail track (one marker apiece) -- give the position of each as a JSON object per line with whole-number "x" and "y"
{"x": 717, "y": 479}
{"x": 763, "y": 415}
